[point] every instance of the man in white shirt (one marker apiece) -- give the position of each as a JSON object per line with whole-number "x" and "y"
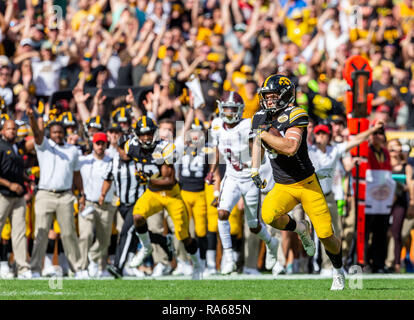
{"x": 325, "y": 158}
{"x": 59, "y": 171}
{"x": 96, "y": 216}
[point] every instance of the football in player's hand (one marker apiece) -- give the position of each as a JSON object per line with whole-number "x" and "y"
{"x": 275, "y": 132}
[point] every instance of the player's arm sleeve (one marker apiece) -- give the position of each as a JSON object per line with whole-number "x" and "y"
{"x": 257, "y": 120}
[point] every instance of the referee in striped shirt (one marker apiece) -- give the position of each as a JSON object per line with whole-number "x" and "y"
{"x": 128, "y": 189}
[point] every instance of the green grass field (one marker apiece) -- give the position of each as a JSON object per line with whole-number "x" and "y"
{"x": 388, "y": 289}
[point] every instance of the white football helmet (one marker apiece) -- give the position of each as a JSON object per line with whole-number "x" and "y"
{"x": 234, "y": 101}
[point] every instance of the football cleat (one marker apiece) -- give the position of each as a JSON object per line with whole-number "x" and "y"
{"x": 116, "y": 272}
{"x": 228, "y": 265}
{"x": 25, "y": 275}
{"x": 161, "y": 270}
{"x": 209, "y": 272}
{"x": 5, "y": 272}
{"x": 139, "y": 258}
{"x": 306, "y": 239}
{"x": 271, "y": 253}
{"x": 338, "y": 282}
{"x": 278, "y": 269}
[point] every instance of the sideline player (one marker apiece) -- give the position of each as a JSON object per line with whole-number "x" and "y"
{"x": 155, "y": 167}
{"x": 232, "y": 138}
{"x": 296, "y": 181}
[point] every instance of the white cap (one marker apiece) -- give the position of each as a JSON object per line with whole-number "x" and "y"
{"x": 4, "y": 61}
{"x": 26, "y": 41}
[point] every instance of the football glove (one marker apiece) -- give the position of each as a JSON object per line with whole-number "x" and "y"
{"x": 215, "y": 202}
{"x": 258, "y": 181}
{"x": 142, "y": 177}
{"x": 263, "y": 127}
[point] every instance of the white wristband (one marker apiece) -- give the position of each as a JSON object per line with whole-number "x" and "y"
{"x": 216, "y": 193}
{"x": 255, "y": 170}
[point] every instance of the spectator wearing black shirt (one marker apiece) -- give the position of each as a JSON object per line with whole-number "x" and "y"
{"x": 12, "y": 190}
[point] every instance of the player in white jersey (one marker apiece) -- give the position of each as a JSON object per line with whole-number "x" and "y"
{"x": 232, "y": 138}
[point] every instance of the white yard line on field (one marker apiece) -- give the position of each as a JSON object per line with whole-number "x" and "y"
{"x": 246, "y": 277}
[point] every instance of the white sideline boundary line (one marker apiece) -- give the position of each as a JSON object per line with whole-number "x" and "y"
{"x": 245, "y": 277}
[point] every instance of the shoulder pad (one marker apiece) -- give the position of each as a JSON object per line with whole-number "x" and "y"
{"x": 298, "y": 117}
{"x": 207, "y": 150}
{"x": 164, "y": 152}
{"x": 216, "y": 125}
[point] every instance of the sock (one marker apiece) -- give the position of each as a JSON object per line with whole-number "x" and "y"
{"x": 203, "y": 263}
{"x": 336, "y": 259}
{"x": 211, "y": 259}
{"x": 237, "y": 243}
{"x": 300, "y": 227}
{"x": 236, "y": 256}
{"x": 291, "y": 225}
{"x": 192, "y": 247}
{"x": 264, "y": 235}
{"x": 63, "y": 262}
{"x": 202, "y": 243}
{"x": 224, "y": 231}
{"x": 48, "y": 260}
{"x": 50, "y": 246}
{"x": 195, "y": 258}
{"x": 145, "y": 239}
{"x": 3, "y": 251}
{"x": 211, "y": 240}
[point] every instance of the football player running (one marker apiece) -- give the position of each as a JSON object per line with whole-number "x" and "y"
{"x": 232, "y": 138}
{"x": 294, "y": 174}
{"x": 155, "y": 166}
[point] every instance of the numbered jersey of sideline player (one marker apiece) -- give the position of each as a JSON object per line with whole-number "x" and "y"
{"x": 193, "y": 167}
{"x": 233, "y": 145}
{"x": 287, "y": 170}
{"x": 150, "y": 162}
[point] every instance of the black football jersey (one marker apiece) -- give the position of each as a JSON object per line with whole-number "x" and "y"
{"x": 287, "y": 170}
{"x": 150, "y": 161}
{"x": 193, "y": 168}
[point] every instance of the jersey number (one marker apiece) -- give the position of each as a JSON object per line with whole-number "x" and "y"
{"x": 195, "y": 165}
{"x": 237, "y": 165}
{"x": 150, "y": 169}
